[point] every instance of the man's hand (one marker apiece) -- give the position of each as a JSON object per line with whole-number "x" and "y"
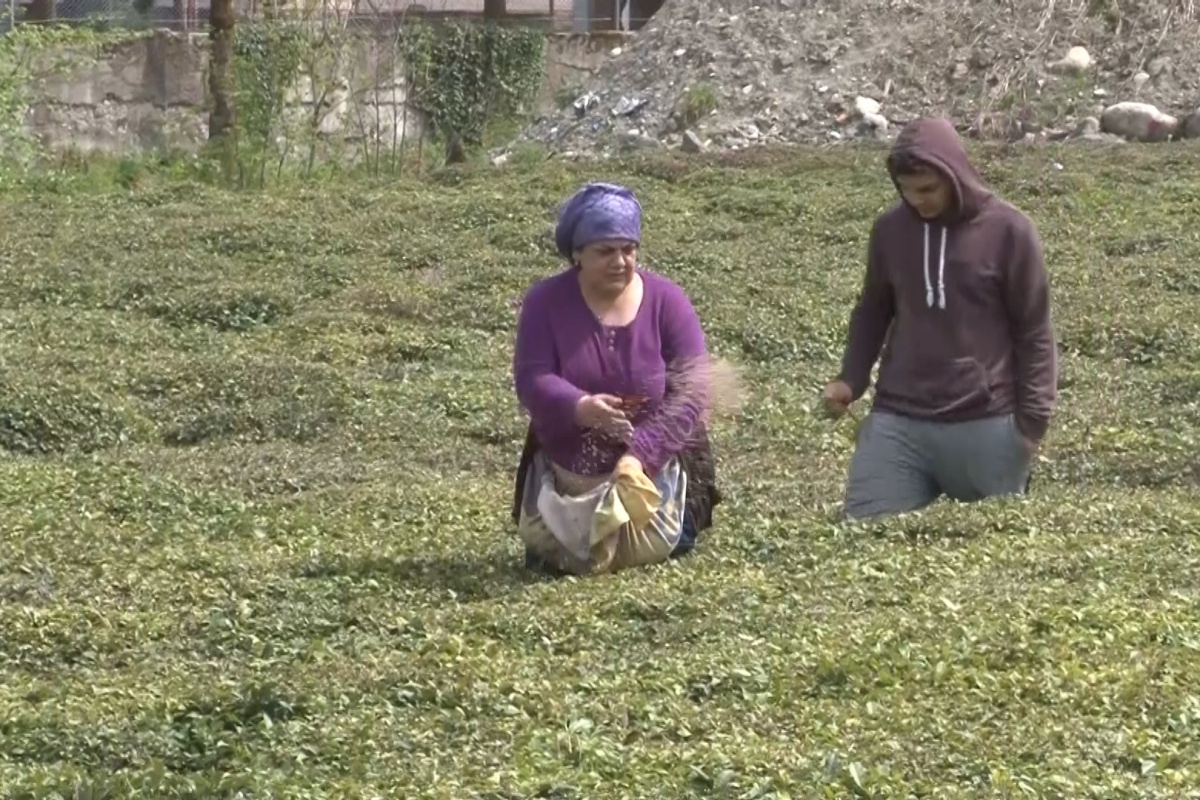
{"x": 838, "y": 396}
{"x": 603, "y": 412}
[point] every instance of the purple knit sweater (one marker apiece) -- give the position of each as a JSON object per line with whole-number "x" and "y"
{"x": 563, "y": 352}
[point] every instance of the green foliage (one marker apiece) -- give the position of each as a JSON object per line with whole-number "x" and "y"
{"x": 466, "y": 75}
{"x": 40, "y": 414}
{"x": 698, "y": 101}
{"x": 52, "y": 49}
{"x": 257, "y": 464}
{"x": 267, "y": 56}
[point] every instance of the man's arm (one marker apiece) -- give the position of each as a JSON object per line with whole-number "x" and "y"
{"x": 869, "y": 321}
{"x": 549, "y": 398}
{"x": 1027, "y": 297}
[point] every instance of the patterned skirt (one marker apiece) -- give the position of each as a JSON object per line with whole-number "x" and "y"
{"x": 577, "y": 524}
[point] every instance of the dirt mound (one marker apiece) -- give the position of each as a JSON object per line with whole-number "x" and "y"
{"x": 702, "y": 74}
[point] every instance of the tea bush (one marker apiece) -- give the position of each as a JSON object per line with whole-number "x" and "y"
{"x": 254, "y": 493}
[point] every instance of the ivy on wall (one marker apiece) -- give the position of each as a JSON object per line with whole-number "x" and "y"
{"x": 461, "y": 76}
{"x": 267, "y": 56}
{"x": 464, "y": 75}
{"x": 32, "y": 50}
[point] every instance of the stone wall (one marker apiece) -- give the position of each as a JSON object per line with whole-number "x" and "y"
{"x": 152, "y": 93}
{"x": 573, "y": 58}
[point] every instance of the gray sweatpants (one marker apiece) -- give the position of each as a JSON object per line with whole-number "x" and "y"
{"x": 902, "y": 464}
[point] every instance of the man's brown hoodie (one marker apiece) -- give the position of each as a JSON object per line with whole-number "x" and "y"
{"x": 966, "y": 299}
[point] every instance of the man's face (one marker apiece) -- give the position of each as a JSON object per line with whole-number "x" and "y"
{"x": 927, "y": 192}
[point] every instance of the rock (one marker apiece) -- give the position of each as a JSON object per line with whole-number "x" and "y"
{"x": 1102, "y": 138}
{"x": 1075, "y": 62}
{"x": 874, "y": 126}
{"x": 500, "y": 160}
{"x": 1139, "y": 122}
{"x": 692, "y": 143}
{"x": 866, "y": 106}
{"x": 627, "y": 106}
{"x": 1191, "y": 126}
{"x": 982, "y": 60}
{"x": 748, "y": 131}
{"x": 585, "y": 103}
{"x": 1087, "y": 126}
{"x": 809, "y": 71}
{"x": 1159, "y": 66}
{"x": 636, "y": 140}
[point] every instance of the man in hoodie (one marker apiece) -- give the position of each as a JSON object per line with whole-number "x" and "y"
{"x": 956, "y": 284}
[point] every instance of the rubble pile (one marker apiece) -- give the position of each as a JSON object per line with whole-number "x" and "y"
{"x": 704, "y": 74}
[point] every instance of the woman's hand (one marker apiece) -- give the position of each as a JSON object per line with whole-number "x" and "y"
{"x": 603, "y": 412}
{"x": 628, "y": 462}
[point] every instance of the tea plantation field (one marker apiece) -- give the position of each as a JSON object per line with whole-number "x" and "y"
{"x": 256, "y": 454}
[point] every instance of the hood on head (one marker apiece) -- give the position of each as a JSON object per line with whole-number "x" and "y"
{"x": 935, "y": 142}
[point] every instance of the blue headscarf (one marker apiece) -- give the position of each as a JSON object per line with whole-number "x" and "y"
{"x": 595, "y": 212}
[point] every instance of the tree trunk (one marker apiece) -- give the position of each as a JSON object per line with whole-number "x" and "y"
{"x": 495, "y": 9}
{"x": 220, "y": 84}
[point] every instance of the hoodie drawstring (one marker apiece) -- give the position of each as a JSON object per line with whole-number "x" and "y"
{"x": 941, "y": 282}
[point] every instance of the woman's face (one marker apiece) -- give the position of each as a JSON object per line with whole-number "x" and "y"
{"x": 607, "y": 266}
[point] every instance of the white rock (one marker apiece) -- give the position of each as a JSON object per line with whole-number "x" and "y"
{"x": 1139, "y": 122}
{"x": 1140, "y": 80}
{"x": 1077, "y": 60}
{"x": 866, "y": 106}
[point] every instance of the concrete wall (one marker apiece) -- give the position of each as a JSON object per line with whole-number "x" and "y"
{"x": 152, "y": 93}
{"x": 573, "y": 58}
